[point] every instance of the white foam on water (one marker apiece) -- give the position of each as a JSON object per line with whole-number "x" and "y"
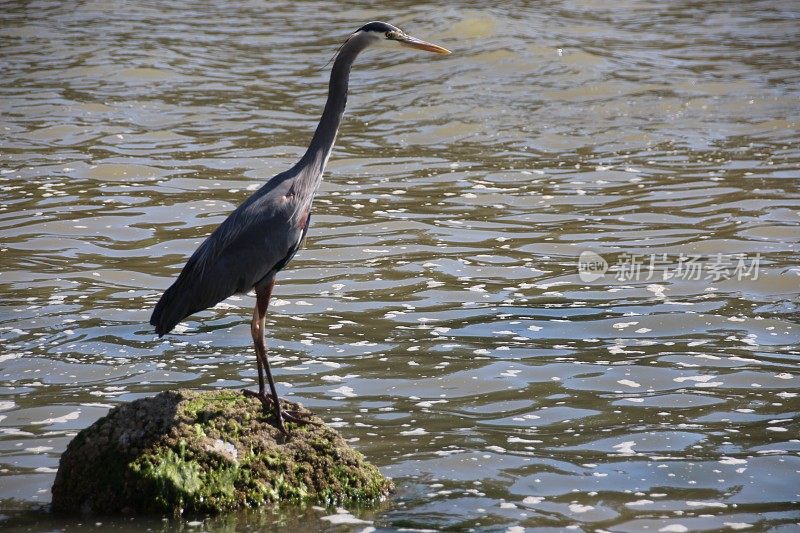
{"x": 674, "y": 528}
{"x": 344, "y": 517}
{"x": 706, "y": 504}
{"x": 533, "y": 500}
{"x": 737, "y": 525}
{"x": 638, "y": 503}
{"x": 732, "y": 461}
{"x": 39, "y": 449}
{"x": 74, "y": 415}
{"x": 625, "y": 448}
{"x": 345, "y": 391}
{"x": 580, "y": 508}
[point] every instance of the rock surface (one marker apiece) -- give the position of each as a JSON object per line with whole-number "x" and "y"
{"x": 206, "y": 452}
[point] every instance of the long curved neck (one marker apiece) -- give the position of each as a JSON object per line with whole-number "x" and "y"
{"x": 316, "y": 157}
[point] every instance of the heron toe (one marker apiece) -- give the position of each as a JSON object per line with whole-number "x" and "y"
{"x": 282, "y": 414}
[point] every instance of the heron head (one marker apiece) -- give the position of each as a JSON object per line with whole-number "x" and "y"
{"x": 381, "y": 31}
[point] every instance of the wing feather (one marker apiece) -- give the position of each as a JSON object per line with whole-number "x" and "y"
{"x": 256, "y": 237}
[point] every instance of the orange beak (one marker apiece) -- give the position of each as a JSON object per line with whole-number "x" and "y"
{"x": 413, "y": 42}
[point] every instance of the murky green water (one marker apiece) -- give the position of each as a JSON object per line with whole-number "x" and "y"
{"x": 436, "y": 316}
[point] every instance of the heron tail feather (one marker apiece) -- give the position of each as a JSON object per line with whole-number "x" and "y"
{"x": 173, "y": 307}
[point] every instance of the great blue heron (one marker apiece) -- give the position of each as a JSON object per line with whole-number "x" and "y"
{"x": 262, "y": 235}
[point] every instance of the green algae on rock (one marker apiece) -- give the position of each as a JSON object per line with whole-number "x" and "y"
{"x": 207, "y": 452}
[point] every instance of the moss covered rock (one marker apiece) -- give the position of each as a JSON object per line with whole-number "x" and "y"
{"x": 202, "y": 452}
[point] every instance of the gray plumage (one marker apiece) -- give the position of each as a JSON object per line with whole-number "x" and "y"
{"x": 257, "y": 239}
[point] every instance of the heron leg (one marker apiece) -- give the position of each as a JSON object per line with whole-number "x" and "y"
{"x": 263, "y": 295}
{"x": 261, "y": 389}
{"x": 254, "y": 331}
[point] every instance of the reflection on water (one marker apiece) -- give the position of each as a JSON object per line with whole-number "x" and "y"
{"x": 436, "y": 315}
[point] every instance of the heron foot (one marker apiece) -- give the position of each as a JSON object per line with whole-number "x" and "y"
{"x": 282, "y": 414}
